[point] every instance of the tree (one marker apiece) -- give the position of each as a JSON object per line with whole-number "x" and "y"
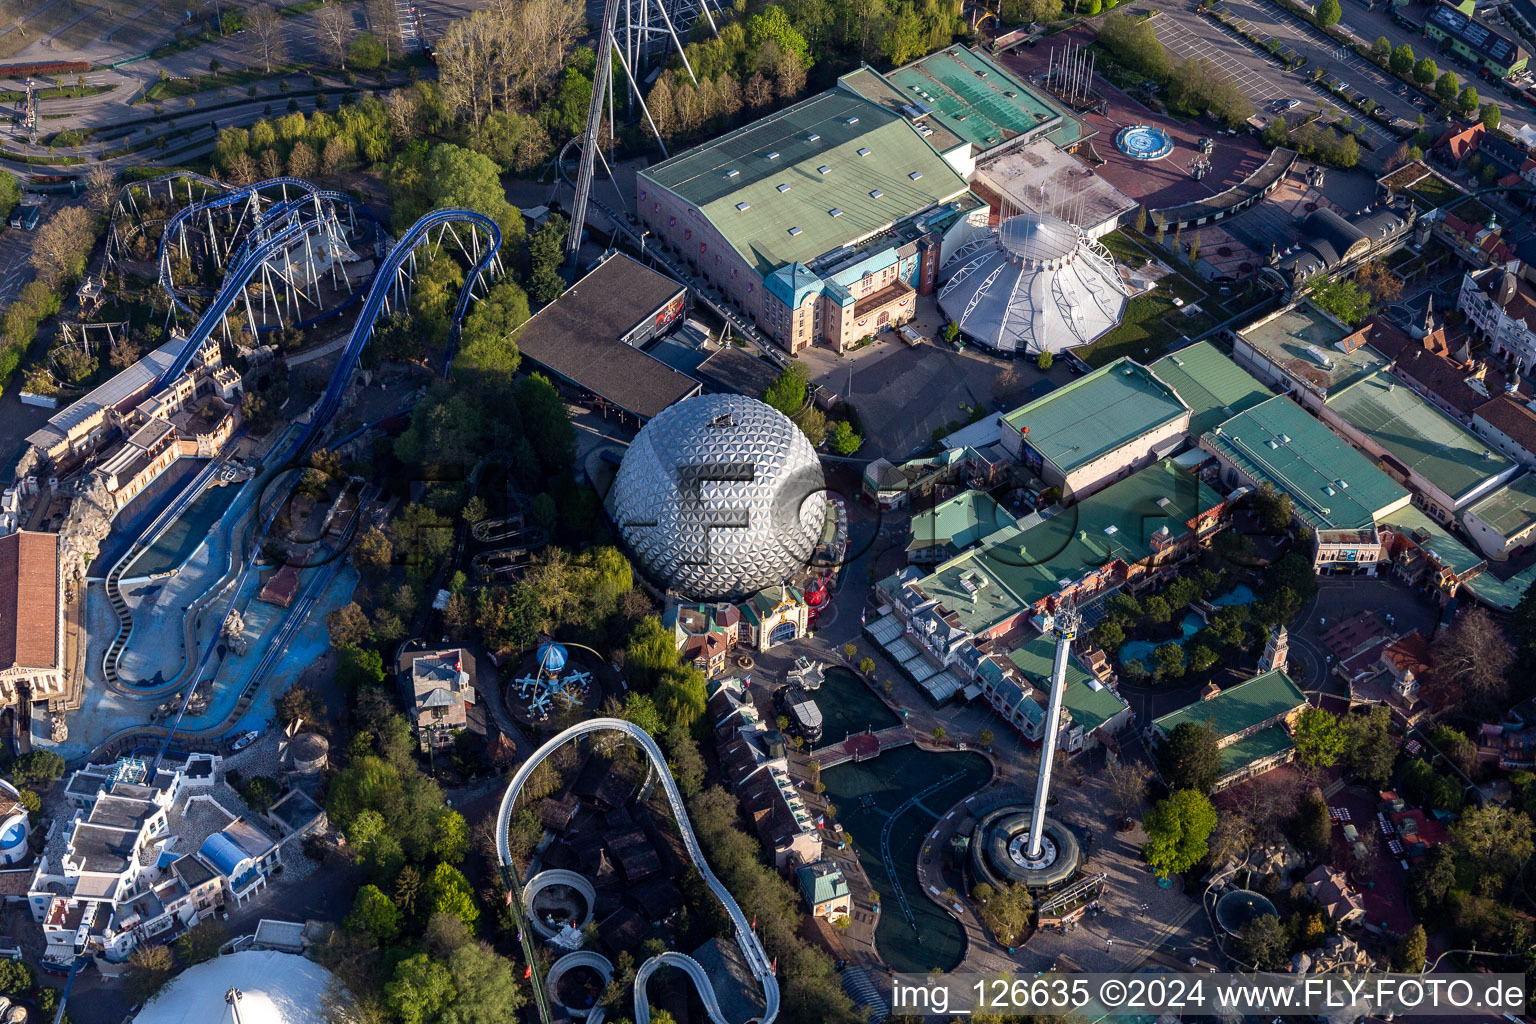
{"x": 787, "y": 392}
{"x": 1127, "y": 784}
{"x": 374, "y": 914}
{"x": 843, "y": 440}
{"x": 61, "y": 246}
{"x": 1402, "y": 60}
{"x": 1135, "y": 43}
{"x": 485, "y": 991}
{"x": 546, "y": 252}
{"x": 264, "y": 34}
{"x": 1425, "y": 71}
{"x": 1491, "y": 116}
{"x": 1327, "y": 13}
{"x": 1471, "y": 660}
{"x": 201, "y": 942}
{"x": 1178, "y": 832}
{"x": 904, "y": 41}
{"x": 384, "y": 23}
{"x": 420, "y": 990}
{"x": 16, "y": 978}
{"x": 357, "y": 668}
{"x": 149, "y": 968}
{"x": 1409, "y": 958}
{"x": 1447, "y": 86}
{"x": 10, "y": 193}
{"x": 1468, "y": 101}
{"x": 1370, "y": 749}
{"x": 1314, "y": 827}
{"x": 1495, "y": 841}
{"x": 1168, "y": 660}
{"x": 334, "y": 25}
{"x": 301, "y": 704}
{"x": 1381, "y": 49}
{"x": 1320, "y": 741}
{"x": 1344, "y": 299}
{"x": 450, "y": 841}
{"x": 366, "y": 52}
{"x": 100, "y": 190}
{"x": 37, "y": 766}
{"x": 1383, "y": 285}
{"x": 1431, "y": 881}
{"x": 1189, "y": 757}
{"x": 448, "y": 892}
{"x": 1264, "y": 943}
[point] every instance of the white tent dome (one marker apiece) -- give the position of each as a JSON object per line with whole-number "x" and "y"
{"x": 1036, "y": 284}
{"x": 275, "y": 988}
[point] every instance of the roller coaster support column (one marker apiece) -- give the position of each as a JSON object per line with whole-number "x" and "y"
{"x": 601, "y": 80}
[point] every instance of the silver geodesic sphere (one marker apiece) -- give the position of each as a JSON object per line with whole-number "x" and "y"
{"x": 719, "y": 497}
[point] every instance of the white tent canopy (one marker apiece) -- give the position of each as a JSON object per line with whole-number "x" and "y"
{"x": 275, "y": 988}
{"x": 1036, "y": 284}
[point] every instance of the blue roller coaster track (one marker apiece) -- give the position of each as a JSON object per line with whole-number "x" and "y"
{"x": 373, "y": 303}
{"x": 283, "y": 214}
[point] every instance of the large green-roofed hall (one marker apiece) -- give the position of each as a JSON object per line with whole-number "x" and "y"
{"x": 1117, "y": 417}
{"x": 1213, "y": 386}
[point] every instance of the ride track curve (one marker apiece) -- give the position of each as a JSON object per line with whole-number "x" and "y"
{"x": 292, "y": 459}
{"x": 751, "y": 946}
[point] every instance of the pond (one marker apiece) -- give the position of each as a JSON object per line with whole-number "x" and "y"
{"x": 1141, "y": 650}
{"x": 848, "y": 706}
{"x": 1240, "y": 594}
{"x": 865, "y": 794}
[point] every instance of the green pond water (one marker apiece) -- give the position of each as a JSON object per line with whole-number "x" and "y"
{"x": 890, "y": 780}
{"x": 190, "y": 529}
{"x": 848, "y": 706}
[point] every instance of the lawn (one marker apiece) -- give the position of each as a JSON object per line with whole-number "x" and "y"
{"x": 1142, "y": 329}
{"x": 82, "y": 31}
{"x": 1124, "y": 248}
{"x": 40, "y": 23}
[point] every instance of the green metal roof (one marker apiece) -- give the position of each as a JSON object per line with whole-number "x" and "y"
{"x": 1278, "y": 441}
{"x": 1089, "y": 707}
{"x": 1510, "y": 510}
{"x": 825, "y": 131}
{"x": 974, "y": 97}
{"x": 1264, "y": 743}
{"x": 1097, "y": 413}
{"x": 1239, "y": 707}
{"x": 1419, "y": 435}
{"x": 1286, "y": 337}
{"x": 1018, "y": 566}
{"x": 1210, "y": 383}
{"x": 821, "y": 883}
{"x": 1447, "y": 550}
{"x": 1501, "y": 594}
{"x": 962, "y": 521}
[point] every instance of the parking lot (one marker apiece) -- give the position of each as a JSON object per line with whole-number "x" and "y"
{"x": 1322, "y": 51}
{"x": 1187, "y": 34}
